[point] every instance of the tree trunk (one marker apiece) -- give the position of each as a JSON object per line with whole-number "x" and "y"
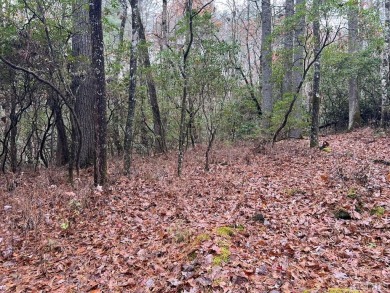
{"x": 299, "y": 43}
{"x": 164, "y": 25}
{"x": 82, "y": 82}
{"x": 316, "y": 79}
{"x": 266, "y": 63}
{"x": 116, "y": 112}
{"x": 157, "y": 123}
{"x": 129, "y": 136}
{"x": 354, "y": 110}
{"x": 385, "y": 103}
{"x": 62, "y": 152}
{"x": 182, "y": 129}
{"x": 288, "y": 44}
{"x": 99, "y": 82}
{"x": 13, "y": 134}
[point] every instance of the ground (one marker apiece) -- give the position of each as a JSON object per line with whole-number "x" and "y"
{"x": 289, "y": 219}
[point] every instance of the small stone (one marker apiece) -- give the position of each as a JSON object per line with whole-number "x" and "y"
{"x": 258, "y": 218}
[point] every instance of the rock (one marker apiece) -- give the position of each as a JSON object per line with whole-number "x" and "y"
{"x": 258, "y": 218}
{"x": 342, "y": 214}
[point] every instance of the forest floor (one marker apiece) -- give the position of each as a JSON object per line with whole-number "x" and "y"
{"x": 287, "y": 220}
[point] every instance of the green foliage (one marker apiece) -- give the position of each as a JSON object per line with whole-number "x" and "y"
{"x": 222, "y": 257}
{"x": 352, "y": 193}
{"x": 378, "y": 211}
{"x": 298, "y": 119}
{"x": 65, "y": 224}
{"x": 225, "y": 231}
{"x": 202, "y": 237}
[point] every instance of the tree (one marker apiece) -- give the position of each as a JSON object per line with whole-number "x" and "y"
{"x": 354, "y": 110}
{"x": 129, "y": 135}
{"x": 299, "y": 47}
{"x": 158, "y": 128}
{"x": 82, "y": 82}
{"x": 288, "y": 46}
{"x": 184, "y": 73}
{"x": 99, "y": 86}
{"x": 266, "y": 62}
{"x": 385, "y": 70}
{"x": 314, "y": 130}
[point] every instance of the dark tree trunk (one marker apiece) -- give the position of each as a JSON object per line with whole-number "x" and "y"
{"x": 99, "y": 82}
{"x": 157, "y": 123}
{"x": 184, "y": 72}
{"x": 164, "y": 25}
{"x": 129, "y": 135}
{"x": 82, "y": 83}
{"x": 316, "y": 79}
{"x": 62, "y": 149}
{"x": 13, "y": 134}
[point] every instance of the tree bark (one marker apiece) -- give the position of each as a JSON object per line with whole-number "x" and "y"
{"x": 82, "y": 82}
{"x": 354, "y": 118}
{"x": 99, "y": 82}
{"x": 158, "y": 128}
{"x": 116, "y": 99}
{"x": 13, "y": 134}
{"x": 62, "y": 152}
{"x": 385, "y": 103}
{"x": 314, "y": 130}
{"x": 184, "y": 72}
{"x": 299, "y": 41}
{"x": 266, "y": 63}
{"x": 164, "y": 24}
{"x": 288, "y": 44}
{"x": 129, "y": 136}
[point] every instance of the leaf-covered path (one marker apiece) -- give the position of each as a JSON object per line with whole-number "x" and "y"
{"x": 288, "y": 220}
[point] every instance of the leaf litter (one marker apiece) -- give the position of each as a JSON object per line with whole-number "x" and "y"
{"x": 253, "y": 223}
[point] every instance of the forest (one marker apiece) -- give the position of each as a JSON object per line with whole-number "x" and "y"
{"x": 195, "y": 146}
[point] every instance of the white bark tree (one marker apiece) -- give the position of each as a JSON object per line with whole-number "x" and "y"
{"x": 354, "y": 118}
{"x": 266, "y": 62}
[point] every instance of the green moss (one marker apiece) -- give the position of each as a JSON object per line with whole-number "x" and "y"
{"x": 223, "y": 257}
{"x": 225, "y": 231}
{"x": 292, "y": 191}
{"x": 342, "y": 290}
{"x": 240, "y": 228}
{"x": 327, "y": 150}
{"x": 336, "y": 290}
{"x": 378, "y": 211}
{"x": 202, "y": 237}
{"x": 192, "y": 255}
{"x": 352, "y": 193}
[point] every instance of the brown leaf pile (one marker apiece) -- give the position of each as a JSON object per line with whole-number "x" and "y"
{"x": 254, "y": 223}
